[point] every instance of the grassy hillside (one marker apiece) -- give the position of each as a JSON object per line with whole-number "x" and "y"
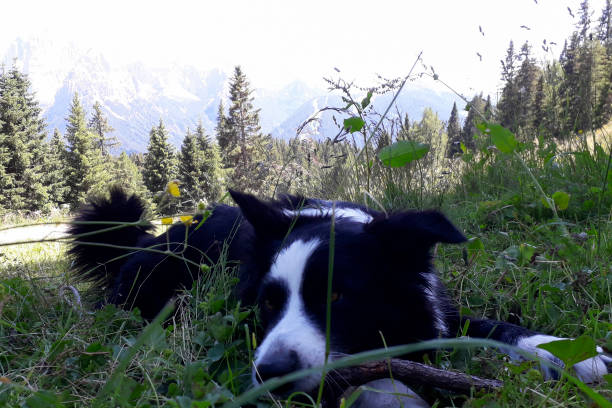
{"x": 522, "y": 264}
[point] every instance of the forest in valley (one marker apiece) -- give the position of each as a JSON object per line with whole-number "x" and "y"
{"x": 537, "y": 103}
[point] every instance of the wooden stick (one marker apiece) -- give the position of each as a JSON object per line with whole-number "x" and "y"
{"x": 411, "y": 372}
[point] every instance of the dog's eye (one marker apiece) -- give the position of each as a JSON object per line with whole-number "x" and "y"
{"x": 269, "y": 305}
{"x": 335, "y": 296}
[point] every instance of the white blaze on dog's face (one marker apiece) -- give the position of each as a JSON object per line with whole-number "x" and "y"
{"x": 292, "y": 341}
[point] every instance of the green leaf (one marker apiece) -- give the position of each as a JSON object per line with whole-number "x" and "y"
{"x": 403, "y": 152}
{"x": 220, "y": 327}
{"x": 502, "y": 138}
{"x": 526, "y": 252}
{"x": 571, "y": 351}
{"x": 595, "y": 190}
{"x": 216, "y": 304}
{"x": 366, "y": 101}
{"x": 561, "y": 200}
{"x": 475, "y": 246}
{"x": 347, "y": 403}
{"x": 173, "y": 390}
{"x": 463, "y": 148}
{"x": 43, "y": 399}
{"x": 118, "y": 374}
{"x": 216, "y": 352}
{"x": 354, "y": 124}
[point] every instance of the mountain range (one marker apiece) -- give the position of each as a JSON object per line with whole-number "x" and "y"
{"x": 136, "y": 96}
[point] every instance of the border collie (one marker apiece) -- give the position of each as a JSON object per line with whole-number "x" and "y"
{"x": 383, "y": 277}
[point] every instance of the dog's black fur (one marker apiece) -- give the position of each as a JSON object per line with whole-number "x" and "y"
{"x": 383, "y": 277}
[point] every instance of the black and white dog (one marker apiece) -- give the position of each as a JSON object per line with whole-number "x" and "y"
{"x": 383, "y": 278}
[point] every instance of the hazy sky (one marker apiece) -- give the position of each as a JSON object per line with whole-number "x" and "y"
{"x": 280, "y": 41}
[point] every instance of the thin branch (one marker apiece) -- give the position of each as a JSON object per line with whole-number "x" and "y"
{"x": 414, "y": 373}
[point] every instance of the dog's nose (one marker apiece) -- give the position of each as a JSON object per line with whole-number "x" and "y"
{"x": 276, "y": 365}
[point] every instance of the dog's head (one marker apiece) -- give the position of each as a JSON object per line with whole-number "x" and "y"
{"x": 383, "y": 283}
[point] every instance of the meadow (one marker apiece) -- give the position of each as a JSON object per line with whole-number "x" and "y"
{"x": 540, "y": 255}
{"x": 528, "y": 180}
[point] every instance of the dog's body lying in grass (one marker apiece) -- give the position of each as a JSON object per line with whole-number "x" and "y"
{"x": 383, "y": 278}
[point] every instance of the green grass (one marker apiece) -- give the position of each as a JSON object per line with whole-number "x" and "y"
{"x": 56, "y": 351}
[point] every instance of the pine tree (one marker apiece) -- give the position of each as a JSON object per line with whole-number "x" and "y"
{"x": 488, "y": 109}
{"x": 159, "y": 163}
{"x": 569, "y": 88}
{"x": 604, "y": 30}
{"x": 584, "y": 20}
{"x": 223, "y": 136}
{"x": 22, "y": 145}
{"x": 585, "y": 91}
{"x": 138, "y": 159}
{"x": 199, "y": 167}
{"x": 55, "y": 169}
{"x": 245, "y": 147}
{"x": 539, "y": 109}
{"x": 553, "y": 117}
{"x": 476, "y": 105}
{"x": 84, "y": 164}
{"x": 430, "y": 130}
{"x": 526, "y": 83}
{"x": 584, "y": 96}
{"x": 211, "y": 165}
{"x": 601, "y": 77}
{"x": 453, "y": 131}
{"x": 189, "y": 167}
{"x": 508, "y": 106}
{"x": 99, "y": 125}
{"x": 4, "y": 148}
{"x": 127, "y": 173}
{"x": 405, "y": 128}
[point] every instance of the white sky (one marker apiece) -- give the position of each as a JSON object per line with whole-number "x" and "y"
{"x": 277, "y": 42}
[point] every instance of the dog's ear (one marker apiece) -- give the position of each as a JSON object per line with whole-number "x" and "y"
{"x": 415, "y": 228}
{"x": 291, "y": 202}
{"x": 267, "y": 219}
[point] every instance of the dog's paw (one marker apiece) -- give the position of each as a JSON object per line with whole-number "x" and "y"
{"x": 590, "y": 370}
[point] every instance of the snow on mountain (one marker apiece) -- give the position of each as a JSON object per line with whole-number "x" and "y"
{"x": 278, "y": 105}
{"x": 136, "y": 96}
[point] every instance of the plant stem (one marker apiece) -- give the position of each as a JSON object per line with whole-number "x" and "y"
{"x": 373, "y": 132}
{"x": 330, "y": 276}
{"x": 549, "y": 201}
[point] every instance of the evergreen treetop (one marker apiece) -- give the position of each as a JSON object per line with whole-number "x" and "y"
{"x": 159, "y": 163}
{"x": 99, "y": 125}
{"x": 55, "y": 170}
{"x": 22, "y": 145}
{"x": 85, "y": 166}
{"x": 244, "y": 147}
{"x": 453, "y": 131}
